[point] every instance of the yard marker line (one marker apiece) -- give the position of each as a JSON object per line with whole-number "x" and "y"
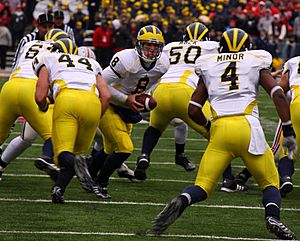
{"x": 140, "y": 204}
{"x": 134, "y": 234}
{"x": 152, "y": 162}
{"x": 141, "y": 138}
{"x": 112, "y": 178}
{"x": 156, "y": 149}
{"x": 118, "y": 178}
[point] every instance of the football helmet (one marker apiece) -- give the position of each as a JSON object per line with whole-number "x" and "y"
{"x": 234, "y": 40}
{"x": 55, "y": 34}
{"x": 64, "y": 45}
{"x": 196, "y": 31}
{"x": 86, "y": 52}
{"x": 149, "y": 34}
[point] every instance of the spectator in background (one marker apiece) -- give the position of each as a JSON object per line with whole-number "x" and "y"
{"x": 93, "y": 6}
{"x": 17, "y": 25}
{"x": 5, "y": 43}
{"x": 265, "y": 22}
{"x": 59, "y": 23}
{"x": 278, "y": 31}
{"x": 102, "y": 41}
{"x": 79, "y": 16}
{"x": 28, "y": 9}
{"x": 262, "y": 41}
{"x": 79, "y": 34}
{"x": 121, "y": 37}
{"x": 296, "y": 32}
{"x": 5, "y": 12}
{"x": 251, "y": 25}
{"x": 220, "y": 20}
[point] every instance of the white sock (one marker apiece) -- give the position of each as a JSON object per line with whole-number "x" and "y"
{"x": 14, "y": 149}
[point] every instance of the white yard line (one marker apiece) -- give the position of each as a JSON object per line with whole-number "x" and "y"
{"x": 140, "y": 204}
{"x": 183, "y": 236}
{"x": 115, "y": 178}
{"x": 152, "y": 162}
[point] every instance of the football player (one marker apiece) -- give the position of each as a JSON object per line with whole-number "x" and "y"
{"x": 81, "y": 98}
{"x": 290, "y": 81}
{"x": 179, "y": 81}
{"x": 17, "y": 99}
{"x": 131, "y": 72}
{"x": 28, "y": 135}
{"x": 230, "y": 82}
{"x": 232, "y": 184}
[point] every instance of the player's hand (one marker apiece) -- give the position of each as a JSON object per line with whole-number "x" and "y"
{"x": 45, "y": 107}
{"x": 133, "y": 104}
{"x": 289, "y": 140}
{"x": 277, "y": 73}
{"x": 289, "y": 144}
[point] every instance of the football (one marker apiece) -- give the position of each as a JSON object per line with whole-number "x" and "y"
{"x": 147, "y": 100}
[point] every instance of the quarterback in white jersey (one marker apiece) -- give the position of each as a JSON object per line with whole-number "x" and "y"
{"x": 131, "y": 72}
{"x": 230, "y": 81}
{"x": 174, "y": 92}
{"x": 81, "y": 97}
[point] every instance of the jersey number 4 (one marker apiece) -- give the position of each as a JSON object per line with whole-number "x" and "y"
{"x": 230, "y": 75}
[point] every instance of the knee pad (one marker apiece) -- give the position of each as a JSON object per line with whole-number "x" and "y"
{"x": 66, "y": 159}
{"x": 28, "y": 133}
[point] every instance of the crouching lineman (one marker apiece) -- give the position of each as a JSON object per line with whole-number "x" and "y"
{"x": 28, "y": 135}
{"x": 230, "y": 81}
{"x": 17, "y": 99}
{"x": 81, "y": 97}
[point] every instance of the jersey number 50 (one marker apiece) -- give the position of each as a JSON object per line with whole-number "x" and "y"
{"x": 190, "y": 56}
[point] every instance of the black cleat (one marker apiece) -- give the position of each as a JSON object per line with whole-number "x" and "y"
{"x": 101, "y": 192}
{"x": 241, "y": 179}
{"x": 57, "y": 195}
{"x": 168, "y": 215}
{"x": 183, "y": 161}
{"x": 142, "y": 164}
{"x": 279, "y": 229}
{"x": 232, "y": 186}
{"x": 125, "y": 172}
{"x": 46, "y": 164}
{"x": 286, "y": 185}
{"x": 82, "y": 173}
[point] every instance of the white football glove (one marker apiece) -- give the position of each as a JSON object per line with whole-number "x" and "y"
{"x": 289, "y": 144}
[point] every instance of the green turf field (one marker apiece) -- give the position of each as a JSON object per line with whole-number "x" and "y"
{"x": 28, "y": 214}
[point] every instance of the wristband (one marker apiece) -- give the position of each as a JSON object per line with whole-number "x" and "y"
{"x": 195, "y": 103}
{"x": 288, "y": 130}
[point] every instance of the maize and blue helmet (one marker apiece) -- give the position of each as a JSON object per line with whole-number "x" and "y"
{"x": 149, "y": 34}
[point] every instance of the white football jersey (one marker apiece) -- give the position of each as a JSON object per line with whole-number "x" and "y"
{"x": 68, "y": 71}
{"x": 182, "y": 56}
{"x": 232, "y": 80}
{"x": 130, "y": 75}
{"x": 293, "y": 66}
{"x": 23, "y": 66}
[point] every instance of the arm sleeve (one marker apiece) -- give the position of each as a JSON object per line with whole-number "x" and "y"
{"x": 112, "y": 79}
